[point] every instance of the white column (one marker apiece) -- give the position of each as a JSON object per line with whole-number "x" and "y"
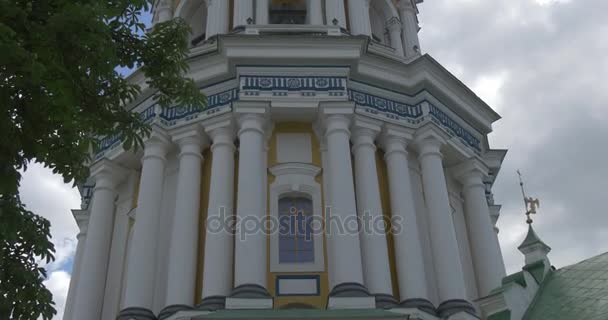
{"x": 411, "y": 273}
{"x": 343, "y": 242}
{"x": 446, "y": 256}
{"x": 374, "y": 251}
{"x": 217, "y": 17}
{"x": 250, "y": 249}
{"x": 96, "y": 253}
{"x": 315, "y": 12}
{"x": 141, "y": 273}
{"x": 358, "y": 15}
{"x": 82, "y": 219}
{"x": 184, "y": 233}
{"x": 261, "y": 12}
{"x": 243, "y": 11}
{"x": 219, "y": 241}
{"x": 487, "y": 259}
{"x": 409, "y": 20}
{"x": 164, "y": 12}
{"x": 394, "y": 28}
{"x": 334, "y": 10}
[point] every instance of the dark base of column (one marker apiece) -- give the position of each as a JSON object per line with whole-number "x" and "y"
{"x": 136, "y": 313}
{"x": 450, "y": 307}
{"x": 250, "y": 291}
{"x": 385, "y": 301}
{"x": 171, "y": 310}
{"x": 349, "y": 290}
{"x": 350, "y": 295}
{"x": 249, "y": 296}
{"x": 212, "y": 303}
{"x": 420, "y": 304}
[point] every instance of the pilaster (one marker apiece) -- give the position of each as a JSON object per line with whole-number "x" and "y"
{"x": 91, "y": 285}
{"x": 487, "y": 259}
{"x": 184, "y": 234}
{"x": 374, "y": 250}
{"x": 446, "y": 256}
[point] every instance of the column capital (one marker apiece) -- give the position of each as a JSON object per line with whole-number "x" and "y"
{"x": 336, "y": 116}
{"x": 192, "y": 133}
{"x": 252, "y": 115}
{"x": 364, "y": 132}
{"x": 471, "y": 173}
{"x": 82, "y": 220}
{"x": 429, "y": 140}
{"x": 190, "y": 139}
{"x": 391, "y": 131}
{"x": 107, "y": 174}
{"x": 157, "y": 144}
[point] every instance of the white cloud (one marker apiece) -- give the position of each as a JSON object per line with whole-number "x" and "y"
{"x": 541, "y": 65}
{"x": 45, "y": 194}
{"x": 58, "y": 283}
{"x": 488, "y": 87}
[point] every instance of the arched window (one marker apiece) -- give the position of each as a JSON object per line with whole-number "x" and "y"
{"x": 287, "y": 12}
{"x": 296, "y": 243}
{"x": 194, "y": 12}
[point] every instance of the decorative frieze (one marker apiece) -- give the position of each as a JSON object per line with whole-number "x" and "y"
{"x": 453, "y": 127}
{"x": 386, "y": 105}
{"x": 307, "y": 87}
{"x": 302, "y": 86}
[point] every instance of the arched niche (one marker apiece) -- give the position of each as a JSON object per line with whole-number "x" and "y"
{"x": 194, "y": 12}
{"x": 380, "y": 12}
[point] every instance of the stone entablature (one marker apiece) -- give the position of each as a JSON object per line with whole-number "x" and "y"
{"x": 367, "y": 98}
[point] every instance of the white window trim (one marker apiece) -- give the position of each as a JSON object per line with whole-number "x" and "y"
{"x": 296, "y": 179}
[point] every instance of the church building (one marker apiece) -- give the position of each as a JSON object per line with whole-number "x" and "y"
{"x": 336, "y": 172}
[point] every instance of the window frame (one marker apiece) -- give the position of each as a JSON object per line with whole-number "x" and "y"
{"x": 296, "y": 179}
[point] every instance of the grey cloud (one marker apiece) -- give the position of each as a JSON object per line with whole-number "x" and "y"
{"x": 554, "y": 105}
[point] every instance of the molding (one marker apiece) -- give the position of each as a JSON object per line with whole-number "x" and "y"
{"x": 316, "y": 278}
{"x": 383, "y": 104}
{"x": 299, "y": 179}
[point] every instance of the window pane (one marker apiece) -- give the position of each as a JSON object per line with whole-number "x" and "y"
{"x": 306, "y": 256}
{"x": 287, "y": 257}
{"x": 287, "y": 244}
{"x": 304, "y": 245}
{"x": 296, "y": 244}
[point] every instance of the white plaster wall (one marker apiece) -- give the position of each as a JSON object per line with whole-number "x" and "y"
{"x": 126, "y": 192}
{"x": 456, "y": 202}
{"x": 421, "y": 215}
{"x": 164, "y": 232}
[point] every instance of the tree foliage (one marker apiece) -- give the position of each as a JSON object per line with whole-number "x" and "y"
{"x": 59, "y": 92}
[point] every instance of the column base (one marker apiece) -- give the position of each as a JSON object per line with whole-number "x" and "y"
{"x": 249, "y": 296}
{"x": 168, "y": 311}
{"x": 136, "y": 313}
{"x": 420, "y": 304}
{"x": 212, "y": 303}
{"x": 350, "y": 295}
{"x": 385, "y": 301}
{"x": 452, "y": 307}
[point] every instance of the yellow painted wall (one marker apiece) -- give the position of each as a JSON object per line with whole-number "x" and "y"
{"x": 386, "y": 209}
{"x": 315, "y": 301}
{"x": 205, "y": 183}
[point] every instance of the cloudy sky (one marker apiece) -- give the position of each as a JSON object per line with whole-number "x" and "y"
{"x": 542, "y": 64}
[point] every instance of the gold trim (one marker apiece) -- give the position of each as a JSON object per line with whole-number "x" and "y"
{"x": 205, "y": 187}
{"x": 315, "y": 301}
{"x": 386, "y": 209}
